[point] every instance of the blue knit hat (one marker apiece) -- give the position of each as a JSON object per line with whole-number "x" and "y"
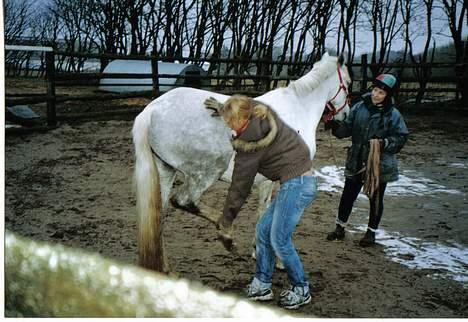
{"x": 386, "y": 82}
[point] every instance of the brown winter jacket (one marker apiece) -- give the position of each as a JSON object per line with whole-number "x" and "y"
{"x": 269, "y": 147}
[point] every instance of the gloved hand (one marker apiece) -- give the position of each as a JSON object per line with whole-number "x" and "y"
{"x": 225, "y": 230}
{"x": 212, "y": 104}
{"x": 332, "y": 124}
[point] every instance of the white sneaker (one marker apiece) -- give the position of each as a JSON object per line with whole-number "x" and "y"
{"x": 295, "y": 297}
{"x": 259, "y": 291}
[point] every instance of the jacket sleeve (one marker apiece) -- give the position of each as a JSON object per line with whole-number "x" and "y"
{"x": 398, "y": 136}
{"x": 245, "y": 169}
{"x": 345, "y": 128}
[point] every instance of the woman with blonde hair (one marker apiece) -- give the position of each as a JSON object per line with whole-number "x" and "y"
{"x": 265, "y": 144}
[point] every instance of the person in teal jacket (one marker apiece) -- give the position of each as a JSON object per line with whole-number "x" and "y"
{"x": 374, "y": 117}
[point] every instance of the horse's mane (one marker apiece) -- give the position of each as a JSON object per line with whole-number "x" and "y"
{"x": 320, "y": 71}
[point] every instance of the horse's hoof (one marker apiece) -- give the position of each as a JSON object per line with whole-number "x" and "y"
{"x": 227, "y": 241}
{"x": 279, "y": 265}
{"x": 190, "y": 207}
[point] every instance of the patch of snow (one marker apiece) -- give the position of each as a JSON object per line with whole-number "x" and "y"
{"x": 331, "y": 178}
{"x": 449, "y": 260}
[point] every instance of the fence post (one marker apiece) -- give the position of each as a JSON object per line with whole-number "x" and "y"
{"x": 363, "y": 73}
{"x": 463, "y": 80}
{"x": 267, "y": 74}
{"x": 237, "y": 81}
{"x": 155, "y": 74}
{"x": 50, "y": 76}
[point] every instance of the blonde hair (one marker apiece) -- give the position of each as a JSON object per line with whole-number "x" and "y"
{"x": 240, "y": 107}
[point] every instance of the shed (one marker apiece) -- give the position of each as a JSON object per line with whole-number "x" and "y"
{"x": 120, "y": 66}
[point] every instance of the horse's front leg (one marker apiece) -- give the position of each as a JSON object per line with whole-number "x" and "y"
{"x": 265, "y": 191}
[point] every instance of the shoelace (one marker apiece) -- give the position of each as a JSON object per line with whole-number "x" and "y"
{"x": 290, "y": 295}
{"x": 251, "y": 292}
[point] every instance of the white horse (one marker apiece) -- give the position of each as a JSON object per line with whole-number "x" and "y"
{"x": 176, "y": 133}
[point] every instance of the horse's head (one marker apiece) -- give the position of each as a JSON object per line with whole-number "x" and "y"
{"x": 326, "y": 83}
{"x": 337, "y": 107}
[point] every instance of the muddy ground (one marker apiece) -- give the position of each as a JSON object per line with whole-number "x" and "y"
{"x": 72, "y": 186}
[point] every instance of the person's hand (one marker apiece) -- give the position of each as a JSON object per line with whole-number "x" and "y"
{"x": 212, "y": 104}
{"x": 382, "y": 142}
{"x": 225, "y": 230}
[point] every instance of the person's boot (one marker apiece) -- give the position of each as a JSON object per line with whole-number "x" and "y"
{"x": 337, "y": 234}
{"x": 368, "y": 239}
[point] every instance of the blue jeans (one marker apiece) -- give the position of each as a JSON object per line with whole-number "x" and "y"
{"x": 275, "y": 228}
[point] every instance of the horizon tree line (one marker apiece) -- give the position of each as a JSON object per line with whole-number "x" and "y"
{"x": 296, "y": 31}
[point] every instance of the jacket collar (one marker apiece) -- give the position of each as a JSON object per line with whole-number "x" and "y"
{"x": 374, "y": 108}
{"x": 251, "y": 146}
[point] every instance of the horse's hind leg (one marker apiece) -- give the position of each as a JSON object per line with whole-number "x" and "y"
{"x": 187, "y": 195}
{"x": 166, "y": 180}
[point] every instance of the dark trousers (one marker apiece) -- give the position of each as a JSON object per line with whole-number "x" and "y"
{"x": 351, "y": 191}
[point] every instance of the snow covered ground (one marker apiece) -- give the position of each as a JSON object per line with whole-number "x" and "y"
{"x": 449, "y": 259}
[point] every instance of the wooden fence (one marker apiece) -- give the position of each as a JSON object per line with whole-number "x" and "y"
{"x": 251, "y": 77}
{"x": 50, "y": 280}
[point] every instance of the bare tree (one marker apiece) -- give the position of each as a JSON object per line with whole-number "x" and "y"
{"x": 292, "y": 15}
{"x": 137, "y": 13}
{"x": 346, "y": 40}
{"x": 218, "y": 24}
{"x": 18, "y": 15}
{"x": 198, "y": 30}
{"x": 156, "y": 19}
{"x": 175, "y": 12}
{"x": 382, "y": 18}
{"x": 456, "y": 12}
{"x": 75, "y": 30}
{"x": 308, "y": 15}
{"x": 108, "y": 18}
{"x": 407, "y": 16}
{"x": 424, "y": 71}
{"x": 308, "y": 34}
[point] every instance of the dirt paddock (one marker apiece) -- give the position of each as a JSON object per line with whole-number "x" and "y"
{"x": 72, "y": 186}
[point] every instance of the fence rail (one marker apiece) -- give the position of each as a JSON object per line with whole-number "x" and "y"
{"x": 249, "y": 76}
{"x": 50, "y": 280}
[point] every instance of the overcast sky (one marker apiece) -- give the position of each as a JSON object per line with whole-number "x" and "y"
{"x": 441, "y": 34}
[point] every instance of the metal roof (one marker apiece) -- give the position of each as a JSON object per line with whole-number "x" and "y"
{"x": 121, "y": 66}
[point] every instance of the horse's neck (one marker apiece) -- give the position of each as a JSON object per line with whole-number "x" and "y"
{"x": 300, "y": 113}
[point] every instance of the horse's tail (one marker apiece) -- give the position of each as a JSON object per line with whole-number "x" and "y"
{"x": 148, "y": 196}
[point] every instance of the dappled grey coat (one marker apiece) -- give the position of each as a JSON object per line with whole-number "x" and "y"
{"x": 367, "y": 121}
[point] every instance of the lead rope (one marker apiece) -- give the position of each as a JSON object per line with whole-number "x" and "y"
{"x": 331, "y": 146}
{"x": 371, "y": 183}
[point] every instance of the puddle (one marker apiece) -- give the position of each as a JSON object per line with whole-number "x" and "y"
{"x": 410, "y": 182}
{"x": 449, "y": 260}
{"x": 458, "y": 165}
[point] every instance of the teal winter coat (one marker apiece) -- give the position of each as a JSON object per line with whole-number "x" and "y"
{"x": 367, "y": 121}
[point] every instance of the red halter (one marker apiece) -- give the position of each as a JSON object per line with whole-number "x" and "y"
{"x": 330, "y": 109}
